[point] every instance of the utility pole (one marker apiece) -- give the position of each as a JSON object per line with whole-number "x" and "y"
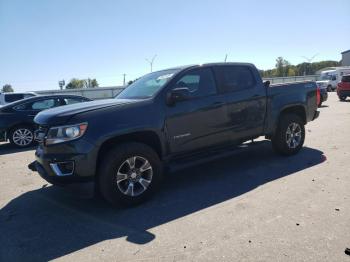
{"x": 124, "y": 79}
{"x": 151, "y": 62}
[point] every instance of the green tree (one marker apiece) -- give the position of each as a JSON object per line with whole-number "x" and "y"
{"x": 7, "y": 88}
{"x": 291, "y": 71}
{"x": 282, "y": 67}
{"x": 76, "y": 83}
{"x": 90, "y": 83}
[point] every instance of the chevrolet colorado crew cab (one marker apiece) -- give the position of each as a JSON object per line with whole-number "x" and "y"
{"x": 166, "y": 119}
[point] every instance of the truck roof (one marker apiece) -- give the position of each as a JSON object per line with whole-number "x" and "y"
{"x": 209, "y": 64}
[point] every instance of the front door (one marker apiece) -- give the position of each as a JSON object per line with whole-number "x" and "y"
{"x": 198, "y": 122}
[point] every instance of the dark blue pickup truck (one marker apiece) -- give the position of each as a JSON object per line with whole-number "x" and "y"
{"x": 169, "y": 118}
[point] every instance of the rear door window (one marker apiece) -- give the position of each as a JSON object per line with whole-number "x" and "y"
{"x": 45, "y": 104}
{"x": 346, "y": 79}
{"x": 234, "y": 78}
{"x": 9, "y": 98}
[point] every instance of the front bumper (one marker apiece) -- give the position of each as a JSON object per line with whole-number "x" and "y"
{"x": 79, "y": 155}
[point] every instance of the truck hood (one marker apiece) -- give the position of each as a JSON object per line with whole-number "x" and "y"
{"x": 60, "y": 115}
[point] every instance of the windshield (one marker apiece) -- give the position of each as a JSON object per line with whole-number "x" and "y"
{"x": 148, "y": 85}
{"x": 326, "y": 77}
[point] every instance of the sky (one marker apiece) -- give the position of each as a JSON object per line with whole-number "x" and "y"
{"x": 44, "y": 41}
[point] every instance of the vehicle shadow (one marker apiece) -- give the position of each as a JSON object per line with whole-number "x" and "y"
{"x": 7, "y": 148}
{"x": 49, "y": 223}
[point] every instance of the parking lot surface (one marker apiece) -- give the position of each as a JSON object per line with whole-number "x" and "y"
{"x": 252, "y": 206}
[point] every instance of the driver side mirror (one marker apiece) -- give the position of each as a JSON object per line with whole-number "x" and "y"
{"x": 178, "y": 94}
{"x": 267, "y": 84}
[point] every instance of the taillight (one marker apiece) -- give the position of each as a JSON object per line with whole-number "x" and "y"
{"x": 318, "y": 95}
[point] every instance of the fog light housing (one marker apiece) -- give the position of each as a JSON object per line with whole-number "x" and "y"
{"x": 63, "y": 168}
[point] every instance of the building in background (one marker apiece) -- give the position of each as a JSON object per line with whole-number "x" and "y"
{"x": 345, "y": 61}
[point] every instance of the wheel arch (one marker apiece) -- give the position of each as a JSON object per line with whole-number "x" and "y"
{"x": 298, "y": 110}
{"x": 149, "y": 138}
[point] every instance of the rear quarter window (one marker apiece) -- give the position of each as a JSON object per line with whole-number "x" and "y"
{"x": 346, "y": 79}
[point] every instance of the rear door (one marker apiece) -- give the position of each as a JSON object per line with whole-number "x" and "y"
{"x": 197, "y": 123}
{"x": 245, "y": 99}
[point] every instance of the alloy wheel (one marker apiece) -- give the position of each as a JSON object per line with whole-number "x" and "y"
{"x": 22, "y": 137}
{"x": 134, "y": 176}
{"x": 293, "y": 135}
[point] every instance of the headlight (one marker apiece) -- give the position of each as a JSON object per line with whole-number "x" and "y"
{"x": 62, "y": 134}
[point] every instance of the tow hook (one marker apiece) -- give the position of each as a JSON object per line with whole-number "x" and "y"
{"x": 32, "y": 166}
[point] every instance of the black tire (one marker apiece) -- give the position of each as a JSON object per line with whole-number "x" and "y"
{"x": 329, "y": 88}
{"x": 320, "y": 104}
{"x": 342, "y": 98}
{"x": 115, "y": 160}
{"x": 281, "y": 138}
{"x": 28, "y": 136}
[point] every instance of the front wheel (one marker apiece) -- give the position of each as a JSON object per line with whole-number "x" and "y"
{"x": 129, "y": 174}
{"x": 22, "y": 136}
{"x": 329, "y": 88}
{"x": 290, "y": 135}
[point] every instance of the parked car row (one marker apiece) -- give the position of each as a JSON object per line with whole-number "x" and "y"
{"x": 342, "y": 86}
{"x": 330, "y": 78}
{"x": 16, "y": 119}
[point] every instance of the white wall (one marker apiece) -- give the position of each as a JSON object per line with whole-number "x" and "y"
{"x": 110, "y": 92}
{"x": 92, "y": 93}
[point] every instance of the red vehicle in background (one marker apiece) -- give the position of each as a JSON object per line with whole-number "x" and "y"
{"x": 343, "y": 88}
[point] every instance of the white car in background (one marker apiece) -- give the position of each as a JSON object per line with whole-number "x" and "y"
{"x": 332, "y": 77}
{"x": 6, "y": 98}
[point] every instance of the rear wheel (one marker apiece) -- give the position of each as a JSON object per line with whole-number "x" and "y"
{"x": 329, "y": 88}
{"x": 290, "y": 135}
{"x": 129, "y": 174}
{"x": 22, "y": 136}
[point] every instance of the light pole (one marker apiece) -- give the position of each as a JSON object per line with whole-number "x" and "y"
{"x": 124, "y": 79}
{"x": 151, "y": 62}
{"x": 61, "y": 84}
